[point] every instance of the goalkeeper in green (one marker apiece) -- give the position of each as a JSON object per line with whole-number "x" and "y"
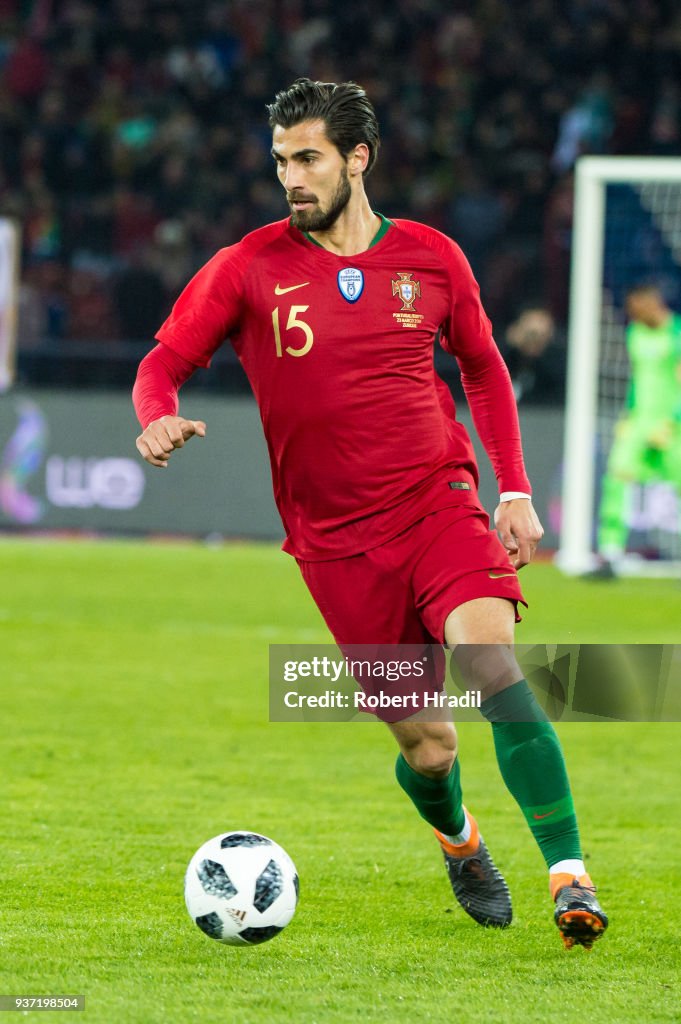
{"x": 647, "y": 443}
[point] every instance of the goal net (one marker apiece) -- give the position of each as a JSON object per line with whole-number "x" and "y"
{"x": 627, "y": 233}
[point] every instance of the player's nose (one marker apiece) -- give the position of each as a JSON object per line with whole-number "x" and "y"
{"x": 294, "y": 179}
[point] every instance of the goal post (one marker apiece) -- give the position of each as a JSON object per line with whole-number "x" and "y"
{"x": 9, "y": 300}
{"x": 644, "y": 194}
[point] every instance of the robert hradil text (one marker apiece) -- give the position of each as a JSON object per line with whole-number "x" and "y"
{"x": 370, "y": 702}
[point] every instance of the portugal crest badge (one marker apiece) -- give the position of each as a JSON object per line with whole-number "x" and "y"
{"x": 408, "y": 292}
{"x": 350, "y": 283}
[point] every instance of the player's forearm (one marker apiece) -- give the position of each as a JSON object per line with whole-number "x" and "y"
{"x": 160, "y": 376}
{"x": 489, "y": 392}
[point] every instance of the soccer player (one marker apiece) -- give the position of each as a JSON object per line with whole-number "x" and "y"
{"x": 647, "y": 443}
{"x": 333, "y": 313}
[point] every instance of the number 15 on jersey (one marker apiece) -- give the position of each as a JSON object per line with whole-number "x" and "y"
{"x": 292, "y": 323}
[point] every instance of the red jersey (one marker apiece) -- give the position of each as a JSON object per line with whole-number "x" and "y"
{"x": 362, "y": 434}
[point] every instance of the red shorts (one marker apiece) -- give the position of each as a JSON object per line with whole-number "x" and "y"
{"x": 403, "y": 591}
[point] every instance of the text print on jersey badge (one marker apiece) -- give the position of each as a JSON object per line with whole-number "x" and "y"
{"x": 350, "y": 283}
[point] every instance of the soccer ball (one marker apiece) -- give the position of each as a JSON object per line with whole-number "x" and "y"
{"x": 241, "y": 888}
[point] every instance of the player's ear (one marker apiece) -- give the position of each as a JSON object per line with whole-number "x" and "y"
{"x": 358, "y": 159}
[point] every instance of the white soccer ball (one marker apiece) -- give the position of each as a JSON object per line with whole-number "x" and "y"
{"x": 241, "y": 888}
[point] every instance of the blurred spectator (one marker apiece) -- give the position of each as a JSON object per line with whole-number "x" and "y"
{"x": 535, "y": 357}
{"x": 477, "y": 217}
{"x": 584, "y": 128}
{"x": 42, "y": 304}
{"x": 139, "y": 298}
{"x": 91, "y": 316}
{"x": 557, "y": 243}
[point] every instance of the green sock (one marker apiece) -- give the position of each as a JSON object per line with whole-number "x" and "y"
{"x": 532, "y": 766}
{"x": 436, "y": 800}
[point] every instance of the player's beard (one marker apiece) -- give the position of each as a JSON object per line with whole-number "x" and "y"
{"x": 317, "y": 219}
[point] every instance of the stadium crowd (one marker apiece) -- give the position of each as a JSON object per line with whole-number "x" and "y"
{"x": 134, "y": 142}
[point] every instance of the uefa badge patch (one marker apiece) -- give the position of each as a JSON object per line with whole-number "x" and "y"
{"x": 350, "y": 283}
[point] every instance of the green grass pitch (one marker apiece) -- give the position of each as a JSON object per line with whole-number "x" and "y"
{"x": 134, "y": 726}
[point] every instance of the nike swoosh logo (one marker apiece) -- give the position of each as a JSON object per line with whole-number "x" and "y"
{"x": 499, "y": 575}
{"x": 548, "y": 814}
{"x": 282, "y": 291}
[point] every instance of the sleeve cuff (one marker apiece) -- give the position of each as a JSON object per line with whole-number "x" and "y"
{"x": 511, "y": 495}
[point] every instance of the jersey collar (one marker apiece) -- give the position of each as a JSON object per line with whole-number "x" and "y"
{"x": 380, "y": 234}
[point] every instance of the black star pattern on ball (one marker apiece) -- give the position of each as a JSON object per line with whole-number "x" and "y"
{"x": 244, "y": 839}
{"x": 215, "y": 880}
{"x": 268, "y": 886}
{"x": 210, "y": 924}
{"x": 256, "y": 935}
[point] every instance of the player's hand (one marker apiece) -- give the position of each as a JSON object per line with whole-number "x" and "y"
{"x": 160, "y": 439}
{"x": 519, "y": 529}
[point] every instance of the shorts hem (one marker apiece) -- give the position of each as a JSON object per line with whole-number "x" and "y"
{"x": 473, "y": 592}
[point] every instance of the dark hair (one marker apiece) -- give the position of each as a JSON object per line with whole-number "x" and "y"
{"x": 644, "y": 288}
{"x": 344, "y": 107}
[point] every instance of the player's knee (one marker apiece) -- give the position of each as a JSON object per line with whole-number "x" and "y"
{"x": 433, "y": 758}
{"x": 488, "y": 667}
